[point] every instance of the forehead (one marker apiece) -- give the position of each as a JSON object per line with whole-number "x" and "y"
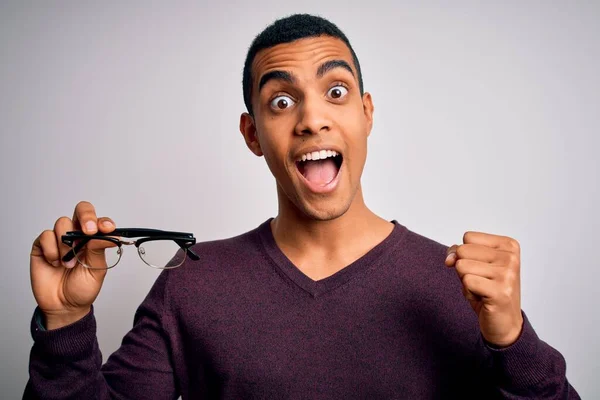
{"x": 301, "y": 56}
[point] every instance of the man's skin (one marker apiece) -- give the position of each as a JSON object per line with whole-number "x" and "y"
{"x": 320, "y": 229}
{"x": 319, "y": 233}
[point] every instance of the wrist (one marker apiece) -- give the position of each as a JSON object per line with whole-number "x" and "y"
{"x": 509, "y": 339}
{"x": 57, "y": 320}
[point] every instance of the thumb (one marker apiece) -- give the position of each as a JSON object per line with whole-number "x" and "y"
{"x": 95, "y": 253}
{"x": 451, "y": 256}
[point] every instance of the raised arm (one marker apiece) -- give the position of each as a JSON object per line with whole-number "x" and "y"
{"x": 65, "y": 360}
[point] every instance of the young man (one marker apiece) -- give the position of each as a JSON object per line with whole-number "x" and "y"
{"x": 327, "y": 300}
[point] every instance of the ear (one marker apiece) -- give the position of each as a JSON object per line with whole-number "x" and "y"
{"x": 248, "y": 130}
{"x": 368, "y": 109}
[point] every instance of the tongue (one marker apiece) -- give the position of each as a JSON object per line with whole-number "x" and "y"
{"x": 320, "y": 172}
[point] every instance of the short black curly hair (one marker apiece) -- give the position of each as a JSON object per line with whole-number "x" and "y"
{"x": 286, "y": 30}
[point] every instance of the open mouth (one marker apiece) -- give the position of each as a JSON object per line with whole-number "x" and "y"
{"x": 320, "y": 168}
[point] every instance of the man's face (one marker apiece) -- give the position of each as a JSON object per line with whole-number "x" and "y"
{"x": 308, "y": 108}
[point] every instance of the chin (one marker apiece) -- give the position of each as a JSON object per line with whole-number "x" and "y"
{"x": 318, "y": 203}
{"x": 325, "y": 211}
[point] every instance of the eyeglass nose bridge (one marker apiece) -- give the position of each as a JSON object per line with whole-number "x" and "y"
{"x": 127, "y": 242}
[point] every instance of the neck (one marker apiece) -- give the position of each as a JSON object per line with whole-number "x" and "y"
{"x": 295, "y": 231}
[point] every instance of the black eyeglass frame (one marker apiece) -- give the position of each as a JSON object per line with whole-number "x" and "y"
{"x": 184, "y": 239}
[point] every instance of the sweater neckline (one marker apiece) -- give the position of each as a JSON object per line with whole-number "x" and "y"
{"x": 319, "y": 287}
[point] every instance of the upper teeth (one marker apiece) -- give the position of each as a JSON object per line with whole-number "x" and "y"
{"x": 318, "y": 155}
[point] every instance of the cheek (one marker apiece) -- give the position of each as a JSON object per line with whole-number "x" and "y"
{"x": 354, "y": 123}
{"x": 356, "y": 130}
{"x": 274, "y": 144}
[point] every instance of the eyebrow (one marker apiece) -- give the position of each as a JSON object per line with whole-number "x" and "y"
{"x": 289, "y": 78}
{"x": 276, "y": 75}
{"x": 332, "y": 64}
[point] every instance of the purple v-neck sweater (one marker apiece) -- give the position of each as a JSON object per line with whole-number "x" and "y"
{"x": 244, "y": 323}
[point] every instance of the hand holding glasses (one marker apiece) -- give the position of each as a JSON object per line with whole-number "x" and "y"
{"x": 64, "y": 291}
{"x": 155, "y": 247}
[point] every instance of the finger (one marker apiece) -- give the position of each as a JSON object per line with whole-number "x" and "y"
{"x": 95, "y": 253}
{"x": 477, "y": 252}
{"x": 504, "y": 243}
{"x": 84, "y": 217}
{"x": 470, "y": 296}
{"x": 45, "y": 246}
{"x": 95, "y": 249}
{"x": 479, "y": 286}
{"x": 106, "y": 225}
{"x": 451, "y": 256}
{"x": 61, "y": 227}
{"x": 485, "y": 270}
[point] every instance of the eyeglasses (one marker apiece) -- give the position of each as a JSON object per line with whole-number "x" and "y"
{"x": 157, "y": 248}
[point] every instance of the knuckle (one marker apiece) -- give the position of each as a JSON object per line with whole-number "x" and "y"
{"x": 46, "y": 236}
{"x": 513, "y": 259}
{"x": 47, "y": 232}
{"x": 85, "y": 209}
{"x": 61, "y": 221}
{"x": 492, "y": 308}
{"x": 513, "y": 245}
{"x": 506, "y": 292}
{"x": 87, "y": 216}
{"x": 510, "y": 277}
{"x": 467, "y": 279}
{"x": 517, "y": 268}
{"x": 48, "y": 242}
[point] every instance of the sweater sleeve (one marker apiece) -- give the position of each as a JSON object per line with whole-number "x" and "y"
{"x": 66, "y": 363}
{"x": 530, "y": 368}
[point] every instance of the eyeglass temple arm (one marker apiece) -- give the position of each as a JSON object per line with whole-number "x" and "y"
{"x": 192, "y": 255}
{"x": 71, "y": 254}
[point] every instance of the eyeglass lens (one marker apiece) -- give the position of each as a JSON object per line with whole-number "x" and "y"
{"x": 154, "y": 253}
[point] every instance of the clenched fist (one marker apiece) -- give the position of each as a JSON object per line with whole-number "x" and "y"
{"x": 489, "y": 268}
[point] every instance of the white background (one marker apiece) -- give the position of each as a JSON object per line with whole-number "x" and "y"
{"x": 487, "y": 118}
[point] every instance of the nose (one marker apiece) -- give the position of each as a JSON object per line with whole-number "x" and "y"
{"x": 313, "y": 117}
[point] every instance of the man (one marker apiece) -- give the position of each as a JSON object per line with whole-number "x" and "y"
{"x": 327, "y": 300}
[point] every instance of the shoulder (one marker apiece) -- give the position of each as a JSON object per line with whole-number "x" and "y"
{"x": 420, "y": 260}
{"x": 421, "y": 249}
{"x": 214, "y": 251}
{"x": 227, "y": 270}
{"x": 219, "y": 259}
{"x": 435, "y": 288}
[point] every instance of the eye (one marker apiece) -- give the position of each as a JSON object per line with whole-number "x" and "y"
{"x": 337, "y": 92}
{"x": 282, "y": 102}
